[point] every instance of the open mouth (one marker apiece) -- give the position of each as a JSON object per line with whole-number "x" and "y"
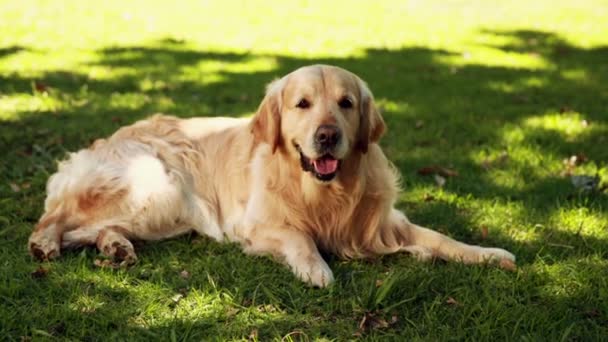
{"x": 323, "y": 168}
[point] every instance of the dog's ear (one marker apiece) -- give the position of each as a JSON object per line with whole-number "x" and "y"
{"x": 266, "y": 124}
{"x": 371, "y": 124}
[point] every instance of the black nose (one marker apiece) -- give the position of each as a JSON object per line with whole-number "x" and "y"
{"x": 327, "y": 136}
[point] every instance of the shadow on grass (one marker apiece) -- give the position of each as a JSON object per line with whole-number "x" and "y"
{"x": 11, "y": 50}
{"x": 461, "y": 111}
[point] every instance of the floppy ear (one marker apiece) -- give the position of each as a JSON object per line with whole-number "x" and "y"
{"x": 371, "y": 124}
{"x": 266, "y": 124}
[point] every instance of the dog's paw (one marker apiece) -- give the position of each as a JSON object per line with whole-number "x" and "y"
{"x": 498, "y": 256}
{"x": 316, "y": 274}
{"x": 42, "y": 248}
{"x": 120, "y": 252}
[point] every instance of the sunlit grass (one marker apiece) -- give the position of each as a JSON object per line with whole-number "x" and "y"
{"x": 505, "y": 93}
{"x": 570, "y": 126}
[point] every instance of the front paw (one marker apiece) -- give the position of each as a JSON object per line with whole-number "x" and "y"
{"x": 317, "y": 274}
{"x": 498, "y": 256}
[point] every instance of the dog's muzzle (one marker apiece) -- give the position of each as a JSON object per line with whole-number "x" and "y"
{"x": 324, "y": 168}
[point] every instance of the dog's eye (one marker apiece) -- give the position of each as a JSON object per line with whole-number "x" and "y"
{"x": 345, "y": 103}
{"x": 303, "y": 104}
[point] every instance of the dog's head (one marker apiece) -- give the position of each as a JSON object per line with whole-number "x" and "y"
{"x": 320, "y": 115}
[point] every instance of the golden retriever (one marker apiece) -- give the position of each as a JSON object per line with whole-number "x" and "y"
{"x": 305, "y": 173}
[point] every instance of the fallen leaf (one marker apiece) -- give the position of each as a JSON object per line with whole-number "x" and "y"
{"x": 581, "y": 158}
{"x": 231, "y": 312}
{"x": 40, "y": 87}
{"x": 427, "y": 170}
{"x": 571, "y": 163}
{"x": 452, "y": 301}
{"x": 177, "y": 297}
{"x": 253, "y": 335}
{"x": 372, "y": 321}
{"x": 445, "y": 172}
{"x": 502, "y": 158}
{"x": 439, "y": 180}
{"x": 585, "y": 183}
{"x": 379, "y": 282}
{"x": 484, "y": 232}
{"x": 58, "y": 329}
{"x": 14, "y": 187}
{"x": 184, "y": 274}
{"x": 593, "y": 313}
{"x": 106, "y": 263}
{"x": 40, "y": 273}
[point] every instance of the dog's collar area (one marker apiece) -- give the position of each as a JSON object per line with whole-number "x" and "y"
{"x": 308, "y": 165}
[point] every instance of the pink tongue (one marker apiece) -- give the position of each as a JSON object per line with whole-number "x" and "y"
{"x": 325, "y": 166}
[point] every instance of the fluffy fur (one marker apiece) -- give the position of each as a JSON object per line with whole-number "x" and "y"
{"x": 243, "y": 180}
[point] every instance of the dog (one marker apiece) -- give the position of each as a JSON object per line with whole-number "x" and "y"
{"x": 305, "y": 173}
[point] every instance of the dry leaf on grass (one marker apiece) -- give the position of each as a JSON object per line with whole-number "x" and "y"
{"x": 177, "y": 297}
{"x": 106, "y": 263}
{"x": 452, "y": 301}
{"x": 571, "y": 163}
{"x": 440, "y": 170}
{"x": 439, "y": 180}
{"x": 427, "y": 170}
{"x": 585, "y": 183}
{"x": 41, "y": 87}
{"x": 14, "y": 187}
{"x": 184, "y": 274}
{"x": 372, "y": 321}
{"x": 445, "y": 172}
{"x": 498, "y": 161}
{"x": 253, "y": 335}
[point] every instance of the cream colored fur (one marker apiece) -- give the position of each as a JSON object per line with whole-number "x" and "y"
{"x": 240, "y": 180}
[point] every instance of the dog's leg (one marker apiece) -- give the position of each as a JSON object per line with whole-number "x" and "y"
{"x": 295, "y": 248}
{"x": 45, "y": 241}
{"x": 113, "y": 243}
{"x": 425, "y": 244}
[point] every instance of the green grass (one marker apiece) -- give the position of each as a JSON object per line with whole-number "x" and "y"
{"x": 503, "y": 93}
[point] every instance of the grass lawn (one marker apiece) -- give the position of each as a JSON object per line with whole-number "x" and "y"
{"x": 501, "y": 92}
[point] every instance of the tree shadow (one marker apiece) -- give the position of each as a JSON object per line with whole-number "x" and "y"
{"x": 11, "y": 50}
{"x": 462, "y": 110}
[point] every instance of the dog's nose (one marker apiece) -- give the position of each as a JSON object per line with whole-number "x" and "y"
{"x": 327, "y": 136}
